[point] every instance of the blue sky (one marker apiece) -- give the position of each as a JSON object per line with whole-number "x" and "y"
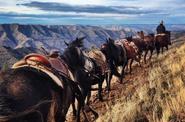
{"x": 92, "y": 12}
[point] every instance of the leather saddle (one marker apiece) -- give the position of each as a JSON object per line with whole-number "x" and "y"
{"x": 52, "y": 66}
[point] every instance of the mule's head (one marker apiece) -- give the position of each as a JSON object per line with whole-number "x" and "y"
{"x": 106, "y": 48}
{"x": 140, "y": 34}
{"x": 73, "y": 54}
{"x": 129, "y": 38}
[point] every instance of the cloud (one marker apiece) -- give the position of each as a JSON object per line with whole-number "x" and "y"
{"x": 91, "y": 11}
{"x": 99, "y": 9}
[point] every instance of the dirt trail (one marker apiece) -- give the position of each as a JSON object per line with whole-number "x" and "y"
{"x": 131, "y": 83}
{"x": 125, "y": 90}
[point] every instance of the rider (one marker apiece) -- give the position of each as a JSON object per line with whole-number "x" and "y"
{"x": 161, "y": 28}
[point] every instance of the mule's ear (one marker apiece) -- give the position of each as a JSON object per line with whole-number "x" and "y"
{"x": 76, "y": 39}
{"x": 111, "y": 40}
{"x": 66, "y": 43}
{"x": 82, "y": 38}
{"x": 107, "y": 41}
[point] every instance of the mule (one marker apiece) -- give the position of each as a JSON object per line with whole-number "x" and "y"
{"x": 83, "y": 70}
{"x": 162, "y": 40}
{"x": 116, "y": 56}
{"x": 132, "y": 52}
{"x": 148, "y": 44}
{"x": 102, "y": 67}
{"x": 29, "y": 95}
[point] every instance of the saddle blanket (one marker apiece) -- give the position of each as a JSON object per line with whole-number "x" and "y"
{"x": 99, "y": 58}
{"x": 160, "y": 34}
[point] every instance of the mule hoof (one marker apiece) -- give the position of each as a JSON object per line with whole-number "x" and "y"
{"x": 77, "y": 120}
{"x": 107, "y": 89}
{"x": 74, "y": 114}
{"x": 96, "y": 115}
{"x": 101, "y": 99}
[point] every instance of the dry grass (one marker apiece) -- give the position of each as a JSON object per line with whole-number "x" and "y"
{"x": 162, "y": 99}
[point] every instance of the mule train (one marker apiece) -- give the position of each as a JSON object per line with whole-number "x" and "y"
{"x": 40, "y": 88}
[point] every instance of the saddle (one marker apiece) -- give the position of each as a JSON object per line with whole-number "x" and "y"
{"x": 99, "y": 59}
{"x": 52, "y": 66}
{"x": 160, "y": 34}
{"x": 89, "y": 64}
{"x": 128, "y": 45}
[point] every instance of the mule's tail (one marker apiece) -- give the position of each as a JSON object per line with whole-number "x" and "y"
{"x": 5, "y": 108}
{"x": 125, "y": 55}
{"x": 8, "y": 112}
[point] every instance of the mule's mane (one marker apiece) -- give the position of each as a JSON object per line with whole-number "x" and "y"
{"x": 78, "y": 42}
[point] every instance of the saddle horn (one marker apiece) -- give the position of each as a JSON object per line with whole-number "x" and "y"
{"x": 44, "y": 50}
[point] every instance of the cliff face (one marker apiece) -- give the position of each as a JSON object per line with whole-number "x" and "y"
{"x": 19, "y": 36}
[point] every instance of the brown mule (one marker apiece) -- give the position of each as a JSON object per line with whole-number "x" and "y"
{"x": 162, "y": 40}
{"x": 28, "y": 94}
{"x": 56, "y": 68}
{"x": 148, "y": 44}
{"x": 132, "y": 52}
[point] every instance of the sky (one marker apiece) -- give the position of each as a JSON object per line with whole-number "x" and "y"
{"x": 92, "y": 12}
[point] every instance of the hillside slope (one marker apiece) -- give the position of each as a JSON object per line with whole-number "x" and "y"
{"x": 153, "y": 93}
{"x": 53, "y": 36}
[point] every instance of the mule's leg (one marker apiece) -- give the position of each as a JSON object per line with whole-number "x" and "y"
{"x": 139, "y": 59}
{"x": 131, "y": 65}
{"x": 122, "y": 72}
{"x": 87, "y": 105}
{"x": 100, "y": 89}
{"x": 108, "y": 80}
{"x": 94, "y": 112}
{"x": 57, "y": 107}
{"x": 79, "y": 107}
{"x": 88, "y": 97}
{"x": 85, "y": 115}
{"x": 74, "y": 109}
{"x": 127, "y": 67}
{"x": 157, "y": 47}
{"x": 113, "y": 69}
{"x": 166, "y": 47}
{"x": 151, "y": 53}
{"x": 116, "y": 73}
{"x": 146, "y": 52}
